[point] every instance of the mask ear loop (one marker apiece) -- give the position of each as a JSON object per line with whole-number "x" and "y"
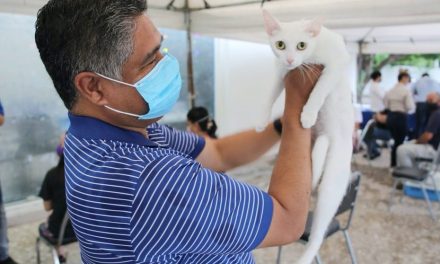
{"x": 117, "y": 81}
{"x": 121, "y": 112}
{"x": 116, "y": 110}
{"x": 202, "y": 119}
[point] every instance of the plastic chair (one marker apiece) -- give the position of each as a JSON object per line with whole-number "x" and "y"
{"x": 417, "y": 176}
{"x": 347, "y": 205}
{"x": 51, "y": 241}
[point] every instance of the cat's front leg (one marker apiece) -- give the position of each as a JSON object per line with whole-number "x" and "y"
{"x": 326, "y": 83}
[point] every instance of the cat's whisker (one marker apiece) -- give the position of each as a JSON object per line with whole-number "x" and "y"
{"x": 308, "y": 71}
{"x": 301, "y": 70}
{"x": 312, "y": 69}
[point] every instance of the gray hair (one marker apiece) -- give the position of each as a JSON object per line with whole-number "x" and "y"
{"x": 75, "y": 36}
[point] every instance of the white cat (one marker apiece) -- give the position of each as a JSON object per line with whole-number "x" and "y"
{"x": 328, "y": 111}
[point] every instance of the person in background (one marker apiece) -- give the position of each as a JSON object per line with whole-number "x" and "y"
{"x": 4, "y": 244}
{"x": 357, "y": 126}
{"x": 377, "y": 93}
{"x": 425, "y": 146}
{"x": 53, "y": 193}
{"x": 424, "y": 86}
{"x": 200, "y": 123}
{"x": 399, "y": 102}
{"x": 377, "y": 130}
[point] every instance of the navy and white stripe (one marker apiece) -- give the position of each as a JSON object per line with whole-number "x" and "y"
{"x": 137, "y": 200}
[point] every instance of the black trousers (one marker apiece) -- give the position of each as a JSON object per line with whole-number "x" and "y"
{"x": 422, "y": 114}
{"x": 397, "y": 123}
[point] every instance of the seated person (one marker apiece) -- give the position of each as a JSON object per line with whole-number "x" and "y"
{"x": 54, "y": 195}
{"x": 200, "y": 123}
{"x": 378, "y": 131}
{"x": 425, "y": 146}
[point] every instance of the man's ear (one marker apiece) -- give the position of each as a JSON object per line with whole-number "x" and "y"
{"x": 90, "y": 87}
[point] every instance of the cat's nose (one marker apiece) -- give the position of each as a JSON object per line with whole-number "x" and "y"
{"x": 290, "y": 61}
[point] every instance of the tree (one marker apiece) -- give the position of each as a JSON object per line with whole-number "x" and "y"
{"x": 372, "y": 62}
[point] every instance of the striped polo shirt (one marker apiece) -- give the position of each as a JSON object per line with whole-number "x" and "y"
{"x": 133, "y": 199}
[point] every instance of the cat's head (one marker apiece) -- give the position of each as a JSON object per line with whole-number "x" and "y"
{"x": 293, "y": 42}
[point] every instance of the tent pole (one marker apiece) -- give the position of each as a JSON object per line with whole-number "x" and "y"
{"x": 191, "y": 89}
{"x": 360, "y": 62}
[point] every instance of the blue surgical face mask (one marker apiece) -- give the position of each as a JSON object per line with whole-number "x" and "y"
{"x": 160, "y": 88}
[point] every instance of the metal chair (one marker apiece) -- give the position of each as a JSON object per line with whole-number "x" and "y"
{"x": 366, "y": 132}
{"x": 418, "y": 176}
{"x": 52, "y": 242}
{"x": 347, "y": 205}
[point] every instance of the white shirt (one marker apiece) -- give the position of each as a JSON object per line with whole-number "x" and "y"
{"x": 377, "y": 94}
{"x": 423, "y": 87}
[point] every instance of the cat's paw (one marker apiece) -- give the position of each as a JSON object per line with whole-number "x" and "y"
{"x": 308, "y": 119}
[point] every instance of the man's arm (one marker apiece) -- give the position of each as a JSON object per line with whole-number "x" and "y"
{"x": 409, "y": 103}
{"x": 431, "y": 128}
{"x": 2, "y": 119}
{"x": 238, "y": 149}
{"x": 48, "y": 205}
{"x": 290, "y": 185}
{"x": 425, "y": 138}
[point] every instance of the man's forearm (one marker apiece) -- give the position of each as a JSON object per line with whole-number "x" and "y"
{"x": 242, "y": 148}
{"x": 291, "y": 179}
{"x": 424, "y": 138}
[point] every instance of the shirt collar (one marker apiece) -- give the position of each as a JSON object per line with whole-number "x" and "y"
{"x": 92, "y": 128}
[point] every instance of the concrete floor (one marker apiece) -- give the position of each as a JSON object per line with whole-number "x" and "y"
{"x": 405, "y": 235}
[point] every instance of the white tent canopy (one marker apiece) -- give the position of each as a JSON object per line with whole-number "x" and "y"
{"x": 399, "y": 26}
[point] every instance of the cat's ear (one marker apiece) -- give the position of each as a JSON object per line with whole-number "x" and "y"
{"x": 314, "y": 27}
{"x": 270, "y": 23}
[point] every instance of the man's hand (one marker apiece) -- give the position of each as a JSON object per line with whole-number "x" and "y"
{"x": 299, "y": 83}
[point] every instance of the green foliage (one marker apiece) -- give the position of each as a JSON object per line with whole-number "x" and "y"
{"x": 417, "y": 60}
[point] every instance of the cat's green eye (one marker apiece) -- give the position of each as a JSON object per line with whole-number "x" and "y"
{"x": 301, "y": 46}
{"x": 280, "y": 45}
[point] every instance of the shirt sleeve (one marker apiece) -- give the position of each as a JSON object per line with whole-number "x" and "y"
{"x": 195, "y": 210}
{"x": 386, "y": 101}
{"x": 434, "y": 122}
{"x": 46, "y": 192}
{"x": 185, "y": 142}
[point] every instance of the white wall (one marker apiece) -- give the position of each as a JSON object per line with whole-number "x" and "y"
{"x": 244, "y": 76}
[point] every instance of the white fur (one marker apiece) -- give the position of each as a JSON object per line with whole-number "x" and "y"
{"x": 328, "y": 111}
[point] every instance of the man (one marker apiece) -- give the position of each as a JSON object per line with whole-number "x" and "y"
{"x": 139, "y": 192}
{"x": 377, "y": 93}
{"x": 425, "y": 146}
{"x": 378, "y": 131}
{"x": 399, "y": 102}
{"x": 4, "y": 247}
{"x": 424, "y": 86}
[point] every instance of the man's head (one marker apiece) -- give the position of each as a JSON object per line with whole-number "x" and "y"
{"x": 433, "y": 98}
{"x": 404, "y": 78}
{"x": 376, "y": 76}
{"x": 79, "y": 38}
